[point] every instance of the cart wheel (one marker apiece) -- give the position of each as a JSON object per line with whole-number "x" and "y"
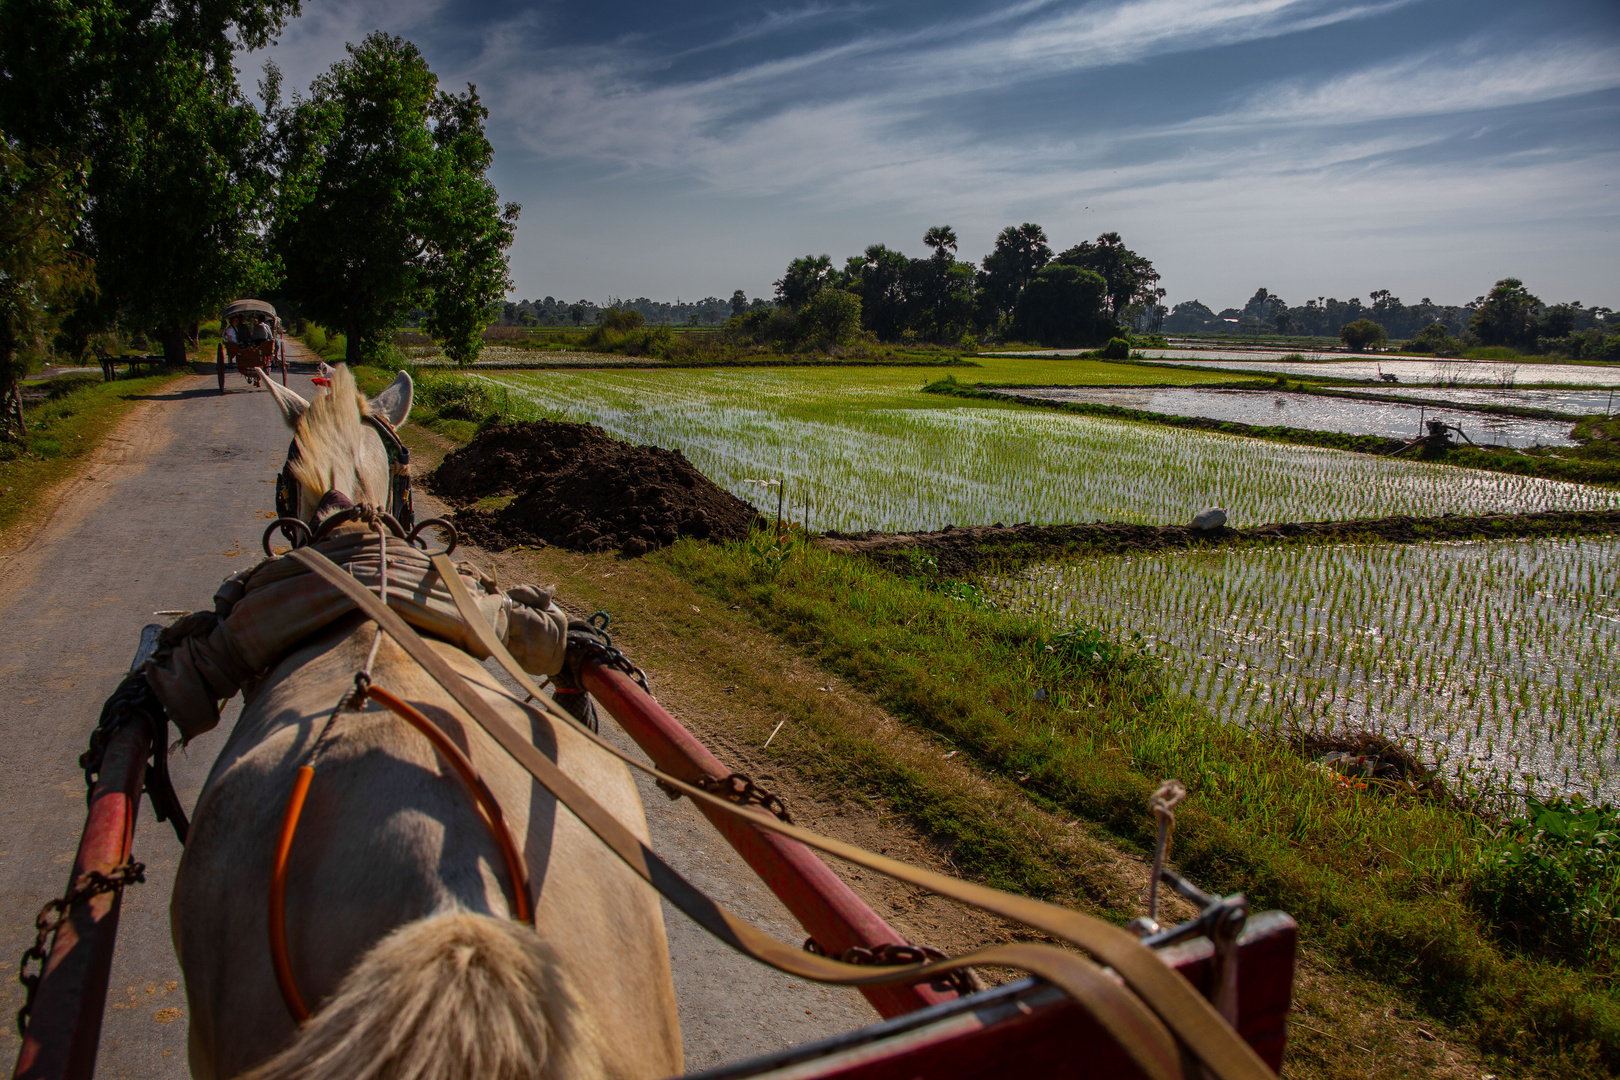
{"x": 219, "y": 362}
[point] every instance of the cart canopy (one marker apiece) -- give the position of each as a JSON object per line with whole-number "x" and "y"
{"x": 246, "y": 307}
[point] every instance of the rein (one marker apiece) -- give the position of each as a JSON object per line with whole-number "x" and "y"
{"x": 1142, "y": 1018}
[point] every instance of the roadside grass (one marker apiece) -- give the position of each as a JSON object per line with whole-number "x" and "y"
{"x": 64, "y": 429}
{"x": 850, "y": 757}
{"x": 1377, "y": 882}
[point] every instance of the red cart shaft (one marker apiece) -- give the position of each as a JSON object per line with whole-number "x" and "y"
{"x": 65, "y": 1026}
{"x": 818, "y": 898}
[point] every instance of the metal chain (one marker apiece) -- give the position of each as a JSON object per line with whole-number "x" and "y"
{"x": 964, "y": 981}
{"x": 54, "y": 914}
{"x": 738, "y": 788}
{"x": 591, "y": 636}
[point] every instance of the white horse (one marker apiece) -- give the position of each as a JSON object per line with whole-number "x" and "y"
{"x": 399, "y": 927}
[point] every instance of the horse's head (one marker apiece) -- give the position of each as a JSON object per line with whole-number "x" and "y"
{"x": 338, "y": 446}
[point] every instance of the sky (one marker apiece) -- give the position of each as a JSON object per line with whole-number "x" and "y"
{"x": 680, "y": 150}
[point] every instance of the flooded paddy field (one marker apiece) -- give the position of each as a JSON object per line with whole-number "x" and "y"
{"x": 865, "y": 449}
{"x": 1312, "y": 412}
{"x": 1495, "y": 659}
{"x": 1574, "y": 402}
{"x": 1409, "y": 372}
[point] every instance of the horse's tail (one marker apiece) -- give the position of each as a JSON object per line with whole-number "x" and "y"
{"x": 450, "y": 996}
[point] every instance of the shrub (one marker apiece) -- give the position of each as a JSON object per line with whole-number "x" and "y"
{"x": 1362, "y": 334}
{"x": 1551, "y": 881}
{"x": 831, "y": 318}
{"x": 1116, "y": 349}
{"x": 1434, "y": 338}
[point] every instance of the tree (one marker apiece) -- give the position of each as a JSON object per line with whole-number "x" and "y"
{"x": 385, "y": 204}
{"x": 941, "y": 240}
{"x": 1132, "y": 283}
{"x": 1020, "y": 253}
{"x": 1063, "y": 305}
{"x": 1362, "y": 334}
{"x": 804, "y": 278}
{"x": 739, "y": 304}
{"x": 40, "y": 203}
{"x": 1507, "y": 316}
{"x": 832, "y": 318}
{"x": 179, "y": 197}
{"x": 146, "y": 96}
{"x": 879, "y": 278}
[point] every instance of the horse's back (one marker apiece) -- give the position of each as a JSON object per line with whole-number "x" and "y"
{"x": 388, "y": 836}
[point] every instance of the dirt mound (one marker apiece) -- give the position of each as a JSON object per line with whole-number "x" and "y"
{"x": 506, "y": 458}
{"x": 578, "y": 487}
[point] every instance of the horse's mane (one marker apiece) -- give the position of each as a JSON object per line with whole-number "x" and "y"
{"x": 330, "y": 437}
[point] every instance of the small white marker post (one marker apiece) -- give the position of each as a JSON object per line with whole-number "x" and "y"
{"x": 773, "y": 735}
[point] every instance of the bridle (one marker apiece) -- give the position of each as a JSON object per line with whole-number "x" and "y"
{"x": 399, "y": 479}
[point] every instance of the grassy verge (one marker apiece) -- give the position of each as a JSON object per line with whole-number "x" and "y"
{"x": 1595, "y": 461}
{"x": 64, "y": 429}
{"x": 1378, "y": 882}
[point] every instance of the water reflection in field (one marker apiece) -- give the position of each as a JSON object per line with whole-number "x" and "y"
{"x": 1313, "y": 412}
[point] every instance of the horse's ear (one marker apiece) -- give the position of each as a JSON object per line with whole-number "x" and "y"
{"x": 292, "y": 406}
{"x": 394, "y": 403}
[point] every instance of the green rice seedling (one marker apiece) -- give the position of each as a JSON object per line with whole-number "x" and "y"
{"x": 1493, "y": 659}
{"x": 863, "y": 450}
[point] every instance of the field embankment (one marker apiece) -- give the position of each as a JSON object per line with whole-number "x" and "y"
{"x": 966, "y": 550}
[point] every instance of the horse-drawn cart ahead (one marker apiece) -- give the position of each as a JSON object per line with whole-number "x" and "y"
{"x": 400, "y": 866}
{"x": 251, "y": 339}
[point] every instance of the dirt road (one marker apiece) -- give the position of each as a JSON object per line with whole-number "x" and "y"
{"x": 175, "y": 501}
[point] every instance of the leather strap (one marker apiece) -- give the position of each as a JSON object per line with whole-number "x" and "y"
{"x": 1141, "y": 1033}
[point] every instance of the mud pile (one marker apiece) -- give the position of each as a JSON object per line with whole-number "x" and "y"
{"x": 577, "y": 487}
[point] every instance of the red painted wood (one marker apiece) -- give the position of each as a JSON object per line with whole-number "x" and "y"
{"x": 1042, "y": 1033}
{"x": 818, "y": 898}
{"x": 65, "y": 1027}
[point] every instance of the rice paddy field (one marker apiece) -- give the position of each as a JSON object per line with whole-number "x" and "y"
{"x": 1495, "y": 659}
{"x": 863, "y": 448}
{"x": 1313, "y": 412}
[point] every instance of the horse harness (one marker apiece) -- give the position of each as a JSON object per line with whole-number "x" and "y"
{"x": 1154, "y": 1014}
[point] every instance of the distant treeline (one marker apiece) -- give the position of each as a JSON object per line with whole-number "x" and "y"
{"x": 710, "y": 311}
{"x": 1083, "y": 295}
{"x": 1508, "y": 315}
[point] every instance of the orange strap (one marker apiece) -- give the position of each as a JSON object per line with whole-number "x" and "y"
{"x": 484, "y": 799}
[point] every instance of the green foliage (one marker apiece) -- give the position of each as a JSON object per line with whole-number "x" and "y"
{"x": 1131, "y": 283}
{"x": 1507, "y": 315}
{"x": 1117, "y": 349}
{"x": 385, "y": 204}
{"x": 620, "y": 320}
{"x": 40, "y": 201}
{"x": 1434, "y": 338}
{"x": 1021, "y": 252}
{"x": 831, "y": 319}
{"x": 1362, "y": 334}
{"x": 805, "y": 278}
{"x": 176, "y": 180}
{"x": 1551, "y": 881}
{"x": 1063, "y": 305}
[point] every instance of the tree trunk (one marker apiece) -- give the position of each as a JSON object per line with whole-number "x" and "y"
{"x": 14, "y": 405}
{"x": 351, "y": 345}
{"x": 174, "y": 344}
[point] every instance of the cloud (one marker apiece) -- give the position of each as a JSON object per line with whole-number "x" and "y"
{"x": 1436, "y": 83}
